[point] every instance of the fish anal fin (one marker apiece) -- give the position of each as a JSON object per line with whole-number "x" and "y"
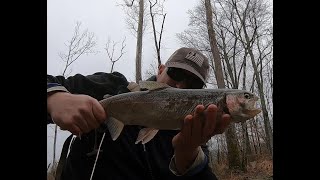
{"x": 115, "y": 127}
{"x": 146, "y": 134}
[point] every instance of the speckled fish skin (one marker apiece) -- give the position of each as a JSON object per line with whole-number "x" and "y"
{"x": 166, "y": 108}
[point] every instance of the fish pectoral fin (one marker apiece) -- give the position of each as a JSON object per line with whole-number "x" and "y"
{"x": 106, "y": 96}
{"x": 146, "y": 134}
{"x": 115, "y": 127}
{"x": 152, "y": 85}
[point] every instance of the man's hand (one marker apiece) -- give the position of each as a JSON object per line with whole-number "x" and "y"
{"x": 197, "y": 130}
{"x": 75, "y": 113}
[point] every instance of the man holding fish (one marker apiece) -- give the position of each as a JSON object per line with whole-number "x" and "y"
{"x": 172, "y": 122}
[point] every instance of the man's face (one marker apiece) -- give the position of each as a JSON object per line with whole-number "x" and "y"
{"x": 189, "y": 79}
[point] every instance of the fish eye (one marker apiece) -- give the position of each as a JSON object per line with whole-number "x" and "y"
{"x": 247, "y": 95}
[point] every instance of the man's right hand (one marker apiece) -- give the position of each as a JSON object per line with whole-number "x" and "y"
{"x": 75, "y": 113}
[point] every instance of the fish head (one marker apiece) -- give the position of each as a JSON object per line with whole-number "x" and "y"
{"x": 242, "y": 105}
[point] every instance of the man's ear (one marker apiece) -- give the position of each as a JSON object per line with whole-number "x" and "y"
{"x": 161, "y": 68}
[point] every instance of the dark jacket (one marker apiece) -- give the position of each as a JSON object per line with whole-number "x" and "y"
{"x": 120, "y": 159}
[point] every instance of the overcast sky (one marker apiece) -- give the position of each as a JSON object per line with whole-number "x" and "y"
{"x": 106, "y": 20}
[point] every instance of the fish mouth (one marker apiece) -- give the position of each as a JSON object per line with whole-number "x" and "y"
{"x": 251, "y": 112}
{"x": 245, "y": 115}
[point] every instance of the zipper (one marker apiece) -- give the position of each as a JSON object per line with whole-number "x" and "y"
{"x": 148, "y": 162}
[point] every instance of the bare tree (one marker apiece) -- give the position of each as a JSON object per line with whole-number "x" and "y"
{"x": 132, "y": 10}
{"x": 129, "y": 4}
{"x": 139, "y": 41}
{"x": 152, "y": 70}
{"x": 110, "y": 51}
{"x": 213, "y": 45}
{"x": 138, "y": 20}
{"x": 80, "y": 43}
{"x": 238, "y": 32}
{"x": 153, "y": 13}
{"x": 252, "y": 16}
{"x": 135, "y": 21}
{"x": 230, "y": 39}
{"x": 233, "y": 151}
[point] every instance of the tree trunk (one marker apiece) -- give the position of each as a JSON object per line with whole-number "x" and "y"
{"x": 257, "y": 134}
{"x": 245, "y": 135}
{"x": 266, "y": 120}
{"x": 253, "y": 138}
{"x": 54, "y": 148}
{"x": 232, "y": 145}
{"x": 213, "y": 45}
{"x": 139, "y": 42}
{"x": 246, "y": 146}
{"x": 248, "y": 47}
{"x": 112, "y": 64}
{"x": 156, "y": 42}
{"x": 233, "y": 149}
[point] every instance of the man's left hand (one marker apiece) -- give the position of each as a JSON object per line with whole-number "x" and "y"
{"x": 197, "y": 130}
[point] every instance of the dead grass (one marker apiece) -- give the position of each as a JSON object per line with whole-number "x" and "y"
{"x": 50, "y": 176}
{"x": 51, "y": 172}
{"x": 259, "y": 169}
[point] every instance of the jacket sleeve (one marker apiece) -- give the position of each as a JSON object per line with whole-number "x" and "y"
{"x": 199, "y": 166}
{"x": 204, "y": 171}
{"x": 95, "y": 85}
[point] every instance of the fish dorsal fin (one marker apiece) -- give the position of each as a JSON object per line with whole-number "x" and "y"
{"x": 152, "y": 85}
{"x": 132, "y": 86}
{"x": 115, "y": 127}
{"x": 146, "y": 134}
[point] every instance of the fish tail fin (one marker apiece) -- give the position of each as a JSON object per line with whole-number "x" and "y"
{"x": 115, "y": 127}
{"x": 146, "y": 134}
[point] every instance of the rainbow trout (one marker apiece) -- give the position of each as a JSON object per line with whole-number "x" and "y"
{"x": 160, "y": 106}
